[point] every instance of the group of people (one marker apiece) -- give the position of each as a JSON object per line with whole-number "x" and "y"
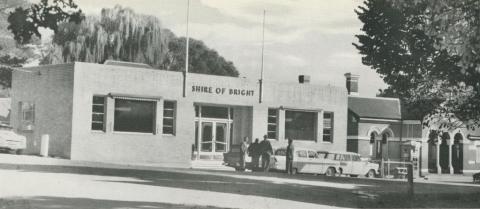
{"x": 264, "y": 150}
{"x": 256, "y": 150}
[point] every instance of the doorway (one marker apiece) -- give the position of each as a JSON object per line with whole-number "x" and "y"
{"x": 214, "y": 137}
{"x": 213, "y": 131}
{"x": 457, "y": 154}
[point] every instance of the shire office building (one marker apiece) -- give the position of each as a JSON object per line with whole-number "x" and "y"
{"x": 129, "y": 113}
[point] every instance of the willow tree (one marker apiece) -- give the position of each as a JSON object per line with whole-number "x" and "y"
{"x": 121, "y": 34}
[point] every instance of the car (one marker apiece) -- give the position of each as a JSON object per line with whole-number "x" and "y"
{"x": 305, "y": 160}
{"x": 476, "y": 178}
{"x": 11, "y": 141}
{"x": 351, "y": 164}
{"x": 232, "y": 158}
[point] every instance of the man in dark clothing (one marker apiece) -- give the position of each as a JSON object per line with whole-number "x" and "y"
{"x": 253, "y": 151}
{"x": 267, "y": 151}
{"x": 289, "y": 156}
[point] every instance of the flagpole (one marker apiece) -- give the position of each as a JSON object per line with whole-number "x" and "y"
{"x": 263, "y": 47}
{"x": 187, "y": 40}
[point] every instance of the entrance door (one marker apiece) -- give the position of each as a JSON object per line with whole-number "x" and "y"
{"x": 220, "y": 137}
{"x": 206, "y": 144}
{"x": 214, "y": 137}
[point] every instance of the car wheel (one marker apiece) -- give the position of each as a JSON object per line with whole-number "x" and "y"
{"x": 330, "y": 172}
{"x": 340, "y": 172}
{"x": 370, "y": 174}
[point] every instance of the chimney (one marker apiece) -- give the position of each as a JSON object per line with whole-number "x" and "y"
{"x": 352, "y": 83}
{"x": 304, "y": 79}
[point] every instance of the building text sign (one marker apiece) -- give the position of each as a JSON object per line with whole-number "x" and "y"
{"x": 222, "y": 90}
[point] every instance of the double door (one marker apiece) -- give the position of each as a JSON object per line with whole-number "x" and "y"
{"x": 214, "y": 136}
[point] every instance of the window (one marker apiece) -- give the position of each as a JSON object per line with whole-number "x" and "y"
{"x": 169, "y": 117}
{"x": 281, "y": 152}
{"x": 328, "y": 127}
{"x": 272, "y": 123}
{"x": 356, "y": 158}
{"x": 300, "y": 125}
{"x": 347, "y": 157}
{"x": 133, "y": 115}
{"x": 312, "y": 154}
{"x": 27, "y": 115}
{"x": 330, "y": 156}
{"x": 302, "y": 153}
{"x": 214, "y": 112}
{"x": 98, "y": 113}
{"x": 322, "y": 154}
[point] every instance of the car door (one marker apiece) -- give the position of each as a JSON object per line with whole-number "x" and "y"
{"x": 280, "y": 159}
{"x": 348, "y": 165}
{"x": 315, "y": 165}
{"x": 300, "y": 160}
{"x": 358, "y": 165}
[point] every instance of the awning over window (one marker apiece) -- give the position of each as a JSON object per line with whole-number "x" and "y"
{"x": 135, "y": 97}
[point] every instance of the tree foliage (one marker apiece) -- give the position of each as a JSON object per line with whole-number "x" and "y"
{"x": 25, "y": 23}
{"x": 7, "y": 63}
{"x": 121, "y": 34}
{"x": 410, "y": 52}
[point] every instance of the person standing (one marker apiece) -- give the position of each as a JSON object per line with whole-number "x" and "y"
{"x": 243, "y": 152}
{"x": 267, "y": 151}
{"x": 289, "y": 156}
{"x": 253, "y": 151}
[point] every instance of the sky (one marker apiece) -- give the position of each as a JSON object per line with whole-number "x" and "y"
{"x": 302, "y": 37}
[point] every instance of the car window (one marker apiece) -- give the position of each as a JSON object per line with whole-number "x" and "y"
{"x": 330, "y": 156}
{"x": 281, "y": 152}
{"x": 302, "y": 153}
{"x": 347, "y": 157}
{"x": 356, "y": 158}
{"x": 312, "y": 154}
{"x": 322, "y": 155}
{"x": 338, "y": 157}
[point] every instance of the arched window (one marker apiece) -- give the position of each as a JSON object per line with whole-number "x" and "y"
{"x": 385, "y": 138}
{"x": 372, "y": 138}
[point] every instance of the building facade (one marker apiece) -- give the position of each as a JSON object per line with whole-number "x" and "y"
{"x": 128, "y": 113}
{"x": 453, "y": 151}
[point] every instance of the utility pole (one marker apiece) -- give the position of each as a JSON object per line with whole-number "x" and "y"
{"x": 261, "y": 72}
{"x": 187, "y": 40}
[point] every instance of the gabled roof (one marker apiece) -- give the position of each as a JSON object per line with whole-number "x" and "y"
{"x": 382, "y": 108}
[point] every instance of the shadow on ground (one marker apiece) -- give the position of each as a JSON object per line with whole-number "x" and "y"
{"x": 367, "y": 193}
{"x": 86, "y": 203}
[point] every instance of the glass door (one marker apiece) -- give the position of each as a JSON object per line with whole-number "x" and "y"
{"x": 214, "y": 137}
{"x": 220, "y": 137}
{"x": 207, "y": 138}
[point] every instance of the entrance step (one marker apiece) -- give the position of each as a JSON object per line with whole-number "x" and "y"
{"x": 210, "y": 165}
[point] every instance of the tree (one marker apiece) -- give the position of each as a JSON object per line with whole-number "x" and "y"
{"x": 121, "y": 34}
{"x": 24, "y": 23}
{"x": 398, "y": 44}
{"x": 7, "y": 63}
{"x": 11, "y": 55}
{"x": 201, "y": 59}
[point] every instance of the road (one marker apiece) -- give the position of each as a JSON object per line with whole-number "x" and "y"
{"x": 69, "y": 187}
